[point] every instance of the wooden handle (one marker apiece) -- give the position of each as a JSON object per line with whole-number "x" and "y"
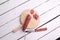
{"x": 28, "y": 18}
{"x": 41, "y": 29}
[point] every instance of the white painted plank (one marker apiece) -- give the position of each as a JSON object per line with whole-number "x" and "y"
{"x": 46, "y": 6}
{"x": 9, "y": 5}
{"x": 1, "y": 1}
{"x": 52, "y": 36}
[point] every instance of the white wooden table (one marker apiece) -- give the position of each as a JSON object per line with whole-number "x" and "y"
{"x": 10, "y": 11}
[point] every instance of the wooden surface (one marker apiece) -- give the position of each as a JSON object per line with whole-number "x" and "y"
{"x": 10, "y": 11}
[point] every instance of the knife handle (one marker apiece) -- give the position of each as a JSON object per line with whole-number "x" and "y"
{"x": 41, "y": 29}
